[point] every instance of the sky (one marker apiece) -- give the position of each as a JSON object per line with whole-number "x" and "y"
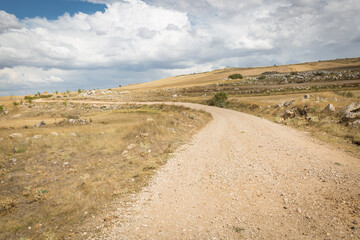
{"x": 49, "y": 45}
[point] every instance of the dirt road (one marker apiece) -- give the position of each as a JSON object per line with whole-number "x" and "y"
{"x": 243, "y": 177}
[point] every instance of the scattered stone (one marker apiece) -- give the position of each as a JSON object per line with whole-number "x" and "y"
{"x": 15, "y": 135}
{"x": 131, "y": 146}
{"x": 82, "y": 121}
{"x": 54, "y": 134}
{"x": 144, "y": 135}
{"x": 40, "y": 124}
{"x": 39, "y": 136}
{"x": 73, "y": 134}
{"x": 289, "y": 114}
{"x": 330, "y": 108}
{"x": 17, "y": 115}
{"x": 279, "y": 105}
{"x": 280, "y": 120}
{"x": 307, "y": 96}
{"x": 289, "y": 103}
{"x": 124, "y": 152}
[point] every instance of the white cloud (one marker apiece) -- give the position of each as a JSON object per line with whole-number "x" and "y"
{"x": 155, "y": 38}
{"x": 8, "y": 21}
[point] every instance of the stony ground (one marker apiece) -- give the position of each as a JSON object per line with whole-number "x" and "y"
{"x": 243, "y": 177}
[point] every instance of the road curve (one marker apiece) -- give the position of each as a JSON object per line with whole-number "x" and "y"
{"x": 243, "y": 177}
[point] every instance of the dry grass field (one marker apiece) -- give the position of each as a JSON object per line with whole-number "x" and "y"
{"x": 54, "y": 177}
{"x": 216, "y": 76}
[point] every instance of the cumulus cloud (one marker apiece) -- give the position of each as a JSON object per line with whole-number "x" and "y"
{"x": 8, "y": 21}
{"x": 134, "y": 40}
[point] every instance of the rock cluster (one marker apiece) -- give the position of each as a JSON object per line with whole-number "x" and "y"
{"x": 81, "y": 121}
{"x": 40, "y": 124}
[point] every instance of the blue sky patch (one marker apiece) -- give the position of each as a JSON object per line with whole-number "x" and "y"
{"x": 51, "y": 9}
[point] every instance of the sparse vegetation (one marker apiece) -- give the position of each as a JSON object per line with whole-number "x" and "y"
{"x": 219, "y": 100}
{"x": 65, "y": 177}
{"x": 236, "y": 76}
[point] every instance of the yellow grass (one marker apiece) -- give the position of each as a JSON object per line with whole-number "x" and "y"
{"x": 50, "y": 186}
{"x": 212, "y": 77}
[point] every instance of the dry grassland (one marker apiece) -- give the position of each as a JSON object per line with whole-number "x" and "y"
{"x": 50, "y": 184}
{"x": 213, "y": 77}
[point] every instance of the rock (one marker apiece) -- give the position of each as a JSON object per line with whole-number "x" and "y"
{"x": 6, "y": 112}
{"x": 40, "y": 124}
{"x": 150, "y": 120}
{"x": 82, "y": 121}
{"x": 144, "y": 135}
{"x": 131, "y": 146}
{"x": 307, "y": 96}
{"x": 73, "y": 134}
{"x": 351, "y": 115}
{"x": 329, "y": 108}
{"x": 15, "y": 135}
{"x": 280, "y": 120}
{"x": 289, "y": 114}
{"x": 54, "y": 134}
{"x": 1, "y": 139}
{"x": 353, "y": 107}
{"x": 356, "y": 122}
{"x": 289, "y": 103}
{"x": 17, "y": 116}
{"x": 39, "y": 136}
{"x": 279, "y": 105}
{"x": 124, "y": 152}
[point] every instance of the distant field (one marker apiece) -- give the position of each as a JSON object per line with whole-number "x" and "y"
{"x": 212, "y": 77}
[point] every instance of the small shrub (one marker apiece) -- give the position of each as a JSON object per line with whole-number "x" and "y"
{"x": 349, "y": 95}
{"x": 79, "y": 90}
{"x": 15, "y": 103}
{"x": 236, "y": 76}
{"x": 1, "y": 108}
{"x": 57, "y": 92}
{"x": 262, "y": 77}
{"x": 220, "y": 100}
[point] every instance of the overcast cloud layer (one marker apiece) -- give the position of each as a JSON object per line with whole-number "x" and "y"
{"x": 136, "y": 41}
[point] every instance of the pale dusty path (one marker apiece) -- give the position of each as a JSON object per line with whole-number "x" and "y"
{"x": 243, "y": 177}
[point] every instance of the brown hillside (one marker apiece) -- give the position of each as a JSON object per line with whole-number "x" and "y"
{"x": 200, "y": 79}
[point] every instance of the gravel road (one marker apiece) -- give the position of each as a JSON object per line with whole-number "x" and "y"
{"x": 243, "y": 177}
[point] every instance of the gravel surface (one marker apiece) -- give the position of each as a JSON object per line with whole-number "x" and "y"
{"x": 243, "y": 177}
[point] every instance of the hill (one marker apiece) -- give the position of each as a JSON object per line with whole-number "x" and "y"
{"x": 212, "y": 77}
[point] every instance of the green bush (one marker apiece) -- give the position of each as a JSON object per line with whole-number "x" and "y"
{"x": 236, "y": 76}
{"x": 219, "y": 100}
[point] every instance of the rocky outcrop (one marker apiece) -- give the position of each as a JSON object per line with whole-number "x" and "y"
{"x": 351, "y": 112}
